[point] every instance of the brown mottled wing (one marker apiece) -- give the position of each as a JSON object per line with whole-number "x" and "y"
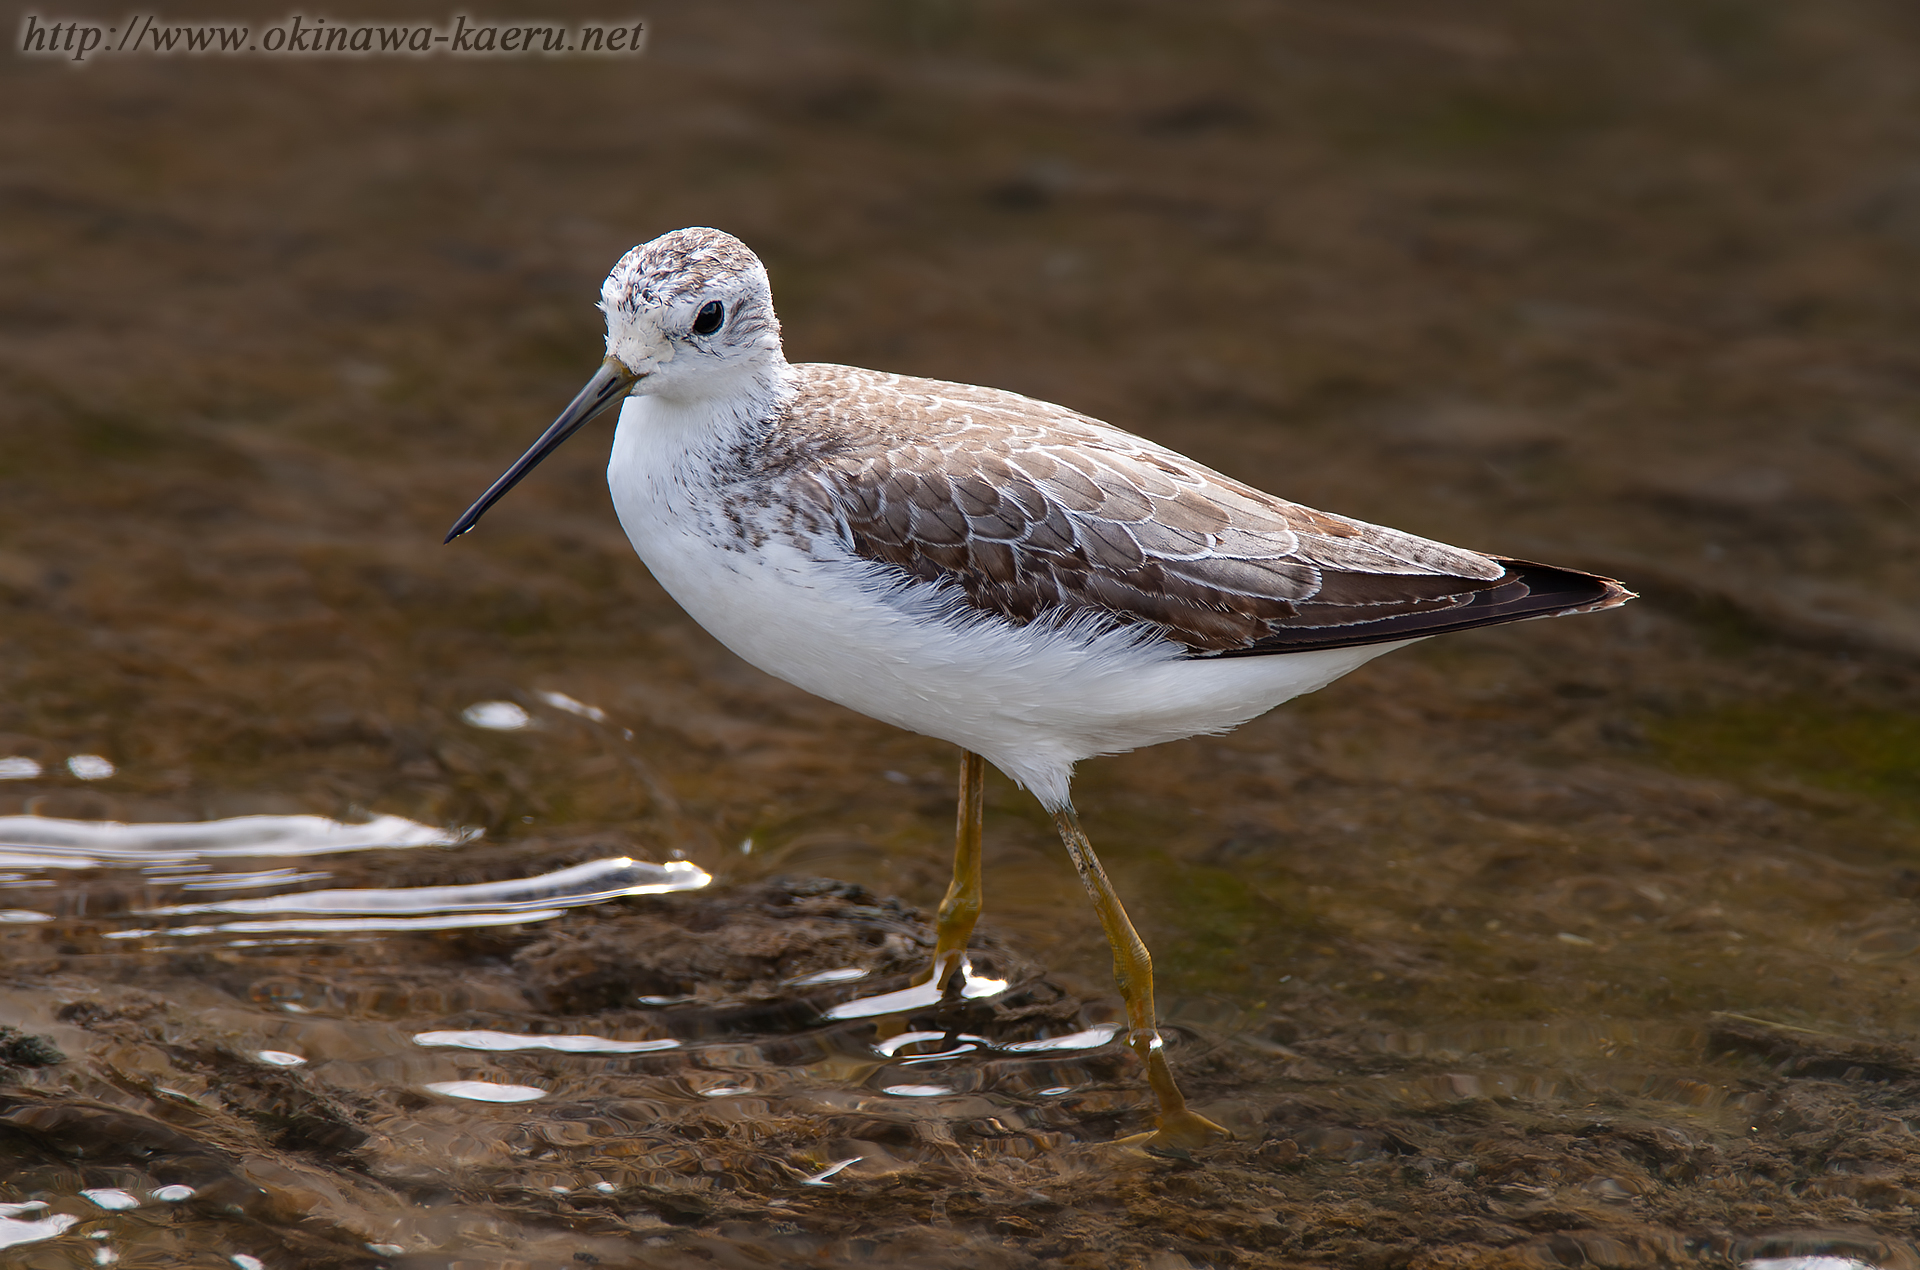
{"x": 1033, "y": 511}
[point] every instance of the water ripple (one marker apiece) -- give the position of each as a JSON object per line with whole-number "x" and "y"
{"x": 48, "y": 843}
{"x": 588, "y": 883}
{"x": 507, "y": 1041}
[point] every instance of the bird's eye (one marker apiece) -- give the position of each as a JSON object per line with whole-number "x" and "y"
{"x": 709, "y": 318}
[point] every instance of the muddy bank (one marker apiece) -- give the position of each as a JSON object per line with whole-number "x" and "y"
{"x": 663, "y": 1082}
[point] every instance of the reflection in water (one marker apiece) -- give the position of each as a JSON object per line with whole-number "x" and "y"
{"x": 170, "y": 855}
{"x": 348, "y": 925}
{"x": 1092, "y": 1038}
{"x": 589, "y": 883}
{"x": 238, "y": 881}
{"x": 46, "y": 843}
{"x": 90, "y": 767}
{"x": 845, "y": 974}
{"x": 917, "y": 997}
{"x": 425, "y": 908}
{"x": 561, "y": 701}
{"x": 506, "y": 1042}
{"x": 957, "y": 1043}
{"x": 496, "y": 716}
{"x": 484, "y": 1091}
{"x": 15, "y": 1230}
{"x": 821, "y": 1178}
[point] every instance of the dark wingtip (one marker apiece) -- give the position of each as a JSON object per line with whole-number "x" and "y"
{"x": 1526, "y": 590}
{"x": 1584, "y": 592}
{"x": 1615, "y": 597}
{"x": 1546, "y": 579}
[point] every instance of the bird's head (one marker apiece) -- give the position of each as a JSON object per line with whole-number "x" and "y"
{"x": 689, "y": 312}
{"x": 689, "y": 315}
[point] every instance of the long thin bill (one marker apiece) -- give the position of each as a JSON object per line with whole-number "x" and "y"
{"x": 608, "y": 385}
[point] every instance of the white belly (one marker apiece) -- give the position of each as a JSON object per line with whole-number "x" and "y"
{"x": 1032, "y": 700}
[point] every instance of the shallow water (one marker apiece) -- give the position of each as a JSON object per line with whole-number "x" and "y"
{"x": 377, "y": 939}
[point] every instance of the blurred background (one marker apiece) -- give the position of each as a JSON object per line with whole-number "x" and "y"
{"x": 1628, "y": 288}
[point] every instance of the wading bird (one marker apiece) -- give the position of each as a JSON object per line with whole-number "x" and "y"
{"x": 1033, "y": 585}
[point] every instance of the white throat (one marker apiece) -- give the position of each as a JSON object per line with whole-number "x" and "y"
{"x": 723, "y": 402}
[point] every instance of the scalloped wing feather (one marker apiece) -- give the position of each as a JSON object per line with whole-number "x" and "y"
{"x": 1035, "y": 512}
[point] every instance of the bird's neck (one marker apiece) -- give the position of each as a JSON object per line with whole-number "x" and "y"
{"x": 747, "y": 392}
{"x": 723, "y": 412}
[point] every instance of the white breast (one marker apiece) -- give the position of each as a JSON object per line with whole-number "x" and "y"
{"x": 1032, "y": 700}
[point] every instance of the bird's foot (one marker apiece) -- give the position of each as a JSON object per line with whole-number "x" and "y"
{"x": 1176, "y": 1134}
{"x": 1177, "y": 1129}
{"x": 948, "y": 972}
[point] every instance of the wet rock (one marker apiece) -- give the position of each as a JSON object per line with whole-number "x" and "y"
{"x": 24, "y": 1050}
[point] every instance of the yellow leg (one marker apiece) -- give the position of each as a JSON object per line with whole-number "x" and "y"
{"x": 961, "y": 908}
{"x": 1176, "y": 1126}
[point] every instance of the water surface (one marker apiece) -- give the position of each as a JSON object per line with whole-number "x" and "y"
{"x": 347, "y": 877}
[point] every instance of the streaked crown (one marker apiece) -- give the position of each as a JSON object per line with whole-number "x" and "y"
{"x": 690, "y": 306}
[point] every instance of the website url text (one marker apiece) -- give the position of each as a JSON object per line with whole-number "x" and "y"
{"x": 302, "y": 36}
